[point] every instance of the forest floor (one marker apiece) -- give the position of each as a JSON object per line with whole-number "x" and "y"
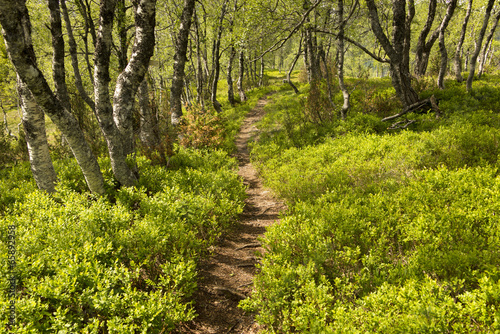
{"x": 226, "y": 277}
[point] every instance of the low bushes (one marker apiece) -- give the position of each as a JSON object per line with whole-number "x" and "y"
{"x": 364, "y": 160}
{"x": 387, "y": 232}
{"x": 416, "y": 257}
{"x": 125, "y": 263}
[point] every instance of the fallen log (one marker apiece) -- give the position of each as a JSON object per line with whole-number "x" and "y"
{"x": 430, "y": 103}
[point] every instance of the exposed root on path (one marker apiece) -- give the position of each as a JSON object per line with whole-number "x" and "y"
{"x": 227, "y": 276}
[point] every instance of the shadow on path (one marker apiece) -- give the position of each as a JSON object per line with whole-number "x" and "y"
{"x": 227, "y": 276}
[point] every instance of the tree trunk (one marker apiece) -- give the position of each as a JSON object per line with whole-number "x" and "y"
{"x": 239, "y": 84}
{"x": 132, "y": 76}
{"x": 74, "y": 58}
{"x": 261, "y": 73}
{"x": 457, "y": 62}
{"x": 230, "y": 89}
{"x": 312, "y": 64}
{"x": 58, "y": 69}
{"x": 38, "y": 148}
{"x": 199, "y": 64}
{"x": 149, "y": 132}
{"x": 340, "y": 59}
{"x": 89, "y": 29}
{"x": 424, "y": 48}
{"x": 479, "y": 42}
{"x": 16, "y": 31}
{"x": 444, "y": 61}
{"x": 253, "y": 66}
{"x": 466, "y": 60}
{"x": 104, "y": 109}
{"x": 398, "y": 51}
{"x": 121, "y": 27}
{"x": 180, "y": 61}
{"x": 487, "y": 45}
{"x": 216, "y": 58}
{"x": 322, "y": 56}
{"x": 289, "y": 73}
{"x": 232, "y": 54}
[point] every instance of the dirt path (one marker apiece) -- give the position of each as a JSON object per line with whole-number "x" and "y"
{"x": 227, "y": 276}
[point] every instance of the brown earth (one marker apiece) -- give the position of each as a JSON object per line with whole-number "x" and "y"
{"x": 226, "y": 277}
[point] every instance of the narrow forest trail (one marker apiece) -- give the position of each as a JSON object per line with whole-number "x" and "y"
{"x": 227, "y": 276}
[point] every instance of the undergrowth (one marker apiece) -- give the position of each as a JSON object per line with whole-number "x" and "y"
{"x": 123, "y": 263}
{"x": 388, "y": 231}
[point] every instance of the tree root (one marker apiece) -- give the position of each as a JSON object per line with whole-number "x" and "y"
{"x": 230, "y": 293}
{"x": 254, "y": 245}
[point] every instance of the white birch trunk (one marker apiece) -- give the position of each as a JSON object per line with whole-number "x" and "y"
{"x": 479, "y": 42}
{"x": 33, "y": 120}
{"x": 17, "y": 35}
{"x": 129, "y": 80}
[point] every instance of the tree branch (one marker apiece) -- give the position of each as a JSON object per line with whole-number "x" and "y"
{"x": 279, "y": 44}
{"x": 350, "y": 40}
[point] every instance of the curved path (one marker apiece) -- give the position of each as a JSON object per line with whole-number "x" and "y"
{"x": 227, "y": 276}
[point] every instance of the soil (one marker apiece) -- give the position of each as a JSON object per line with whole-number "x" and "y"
{"x": 226, "y": 277}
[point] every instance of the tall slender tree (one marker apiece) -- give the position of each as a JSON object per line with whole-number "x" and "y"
{"x": 16, "y": 31}
{"x": 457, "y": 59}
{"x": 398, "y": 50}
{"x": 487, "y": 44}
{"x": 241, "y": 62}
{"x": 180, "y": 59}
{"x": 216, "y": 55}
{"x": 479, "y": 43}
{"x": 33, "y": 120}
{"x": 424, "y": 47}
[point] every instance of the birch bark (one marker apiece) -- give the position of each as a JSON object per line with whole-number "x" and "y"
{"x": 16, "y": 31}
{"x": 104, "y": 109}
{"x": 398, "y": 50}
{"x": 424, "y": 48}
{"x": 230, "y": 89}
{"x": 129, "y": 80}
{"x": 33, "y": 120}
{"x": 241, "y": 91}
{"x": 58, "y": 69}
{"x": 180, "y": 61}
{"x": 457, "y": 60}
{"x": 479, "y": 42}
{"x": 216, "y": 58}
{"x": 487, "y": 45}
{"x": 340, "y": 61}
{"x": 444, "y": 61}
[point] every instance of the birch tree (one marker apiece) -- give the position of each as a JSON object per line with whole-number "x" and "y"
{"x": 457, "y": 59}
{"x": 397, "y": 50}
{"x": 180, "y": 59}
{"x": 16, "y": 30}
{"x": 479, "y": 43}
{"x": 33, "y": 120}
{"x": 487, "y": 44}
{"x": 115, "y": 119}
{"x": 424, "y": 47}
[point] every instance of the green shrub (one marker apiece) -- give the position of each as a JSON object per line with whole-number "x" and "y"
{"x": 124, "y": 263}
{"x": 15, "y": 183}
{"x": 391, "y": 232}
{"x": 438, "y": 224}
{"x": 362, "y": 160}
